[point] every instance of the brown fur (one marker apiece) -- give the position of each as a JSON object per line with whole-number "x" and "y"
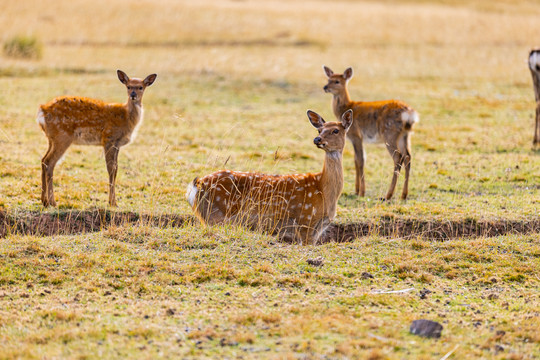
{"x": 297, "y": 206}
{"x": 389, "y": 122}
{"x": 78, "y": 120}
{"x": 535, "y": 72}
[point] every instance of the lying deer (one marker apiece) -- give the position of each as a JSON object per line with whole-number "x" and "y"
{"x": 389, "y": 122}
{"x": 534, "y": 66}
{"x": 70, "y": 120}
{"x": 297, "y": 207}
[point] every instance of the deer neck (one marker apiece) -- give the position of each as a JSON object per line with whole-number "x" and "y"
{"x": 332, "y": 181}
{"x": 341, "y": 103}
{"x": 134, "y": 112}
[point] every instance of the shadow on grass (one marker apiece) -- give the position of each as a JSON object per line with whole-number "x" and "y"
{"x": 71, "y": 222}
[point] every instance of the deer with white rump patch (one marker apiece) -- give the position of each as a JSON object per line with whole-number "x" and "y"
{"x": 534, "y": 66}
{"x": 297, "y": 207}
{"x": 389, "y": 122}
{"x": 70, "y": 120}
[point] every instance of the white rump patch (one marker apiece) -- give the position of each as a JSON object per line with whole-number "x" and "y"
{"x": 191, "y": 193}
{"x": 534, "y": 61}
{"x": 410, "y": 117}
{"x": 40, "y": 118}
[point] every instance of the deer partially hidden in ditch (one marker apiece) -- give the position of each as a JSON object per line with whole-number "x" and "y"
{"x": 296, "y": 207}
{"x": 389, "y": 122}
{"x": 534, "y": 66}
{"x": 70, "y": 120}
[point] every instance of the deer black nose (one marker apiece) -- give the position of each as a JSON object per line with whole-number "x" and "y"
{"x": 325, "y": 87}
{"x": 133, "y": 94}
{"x": 317, "y": 140}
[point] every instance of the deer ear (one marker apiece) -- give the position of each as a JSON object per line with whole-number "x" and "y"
{"x": 149, "y": 80}
{"x": 347, "y": 119}
{"x": 328, "y": 71}
{"x": 347, "y": 74}
{"x": 315, "y": 119}
{"x": 122, "y": 77}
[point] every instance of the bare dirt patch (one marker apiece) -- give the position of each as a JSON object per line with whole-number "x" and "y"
{"x": 431, "y": 229}
{"x": 76, "y": 222}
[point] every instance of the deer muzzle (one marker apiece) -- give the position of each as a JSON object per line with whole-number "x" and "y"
{"x": 319, "y": 142}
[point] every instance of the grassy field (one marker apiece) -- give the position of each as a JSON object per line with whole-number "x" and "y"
{"x": 235, "y": 79}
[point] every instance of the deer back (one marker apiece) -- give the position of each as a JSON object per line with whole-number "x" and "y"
{"x": 260, "y": 200}
{"x": 87, "y": 121}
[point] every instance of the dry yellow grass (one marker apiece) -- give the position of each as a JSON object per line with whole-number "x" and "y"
{"x": 234, "y": 81}
{"x": 227, "y": 67}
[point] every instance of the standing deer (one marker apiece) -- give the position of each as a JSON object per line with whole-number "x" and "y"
{"x": 70, "y": 120}
{"x": 297, "y": 207}
{"x": 534, "y": 66}
{"x": 389, "y": 122}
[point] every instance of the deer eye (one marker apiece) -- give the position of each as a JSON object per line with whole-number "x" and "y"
{"x": 335, "y": 131}
{"x": 140, "y": 87}
{"x": 337, "y": 81}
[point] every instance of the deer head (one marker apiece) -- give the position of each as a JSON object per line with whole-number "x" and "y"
{"x": 135, "y": 87}
{"x": 337, "y": 83}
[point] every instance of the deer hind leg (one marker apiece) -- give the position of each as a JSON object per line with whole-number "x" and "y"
{"x": 405, "y": 150}
{"x": 111, "y": 158}
{"x": 359, "y": 159}
{"x": 44, "y": 197}
{"x": 398, "y": 160}
{"x": 536, "y": 140}
{"x": 55, "y": 152}
{"x": 208, "y": 212}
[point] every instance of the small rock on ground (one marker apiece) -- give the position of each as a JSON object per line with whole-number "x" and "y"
{"x": 426, "y": 328}
{"x": 316, "y": 262}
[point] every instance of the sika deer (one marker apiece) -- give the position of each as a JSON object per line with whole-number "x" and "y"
{"x": 389, "y": 122}
{"x": 534, "y": 66}
{"x": 70, "y": 120}
{"x": 296, "y": 207}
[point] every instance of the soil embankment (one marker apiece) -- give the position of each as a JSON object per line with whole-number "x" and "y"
{"x": 77, "y": 222}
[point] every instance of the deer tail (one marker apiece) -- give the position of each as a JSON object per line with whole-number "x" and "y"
{"x": 409, "y": 118}
{"x": 191, "y": 192}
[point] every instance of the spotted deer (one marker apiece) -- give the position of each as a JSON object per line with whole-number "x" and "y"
{"x": 70, "y": 120}
{"x": 389, "y": 122}
{"x": 534, "y": 66}
{"x": 297, "y": 207}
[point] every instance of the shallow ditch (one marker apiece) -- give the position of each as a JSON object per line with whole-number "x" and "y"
{"x": 77, "y": 222}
